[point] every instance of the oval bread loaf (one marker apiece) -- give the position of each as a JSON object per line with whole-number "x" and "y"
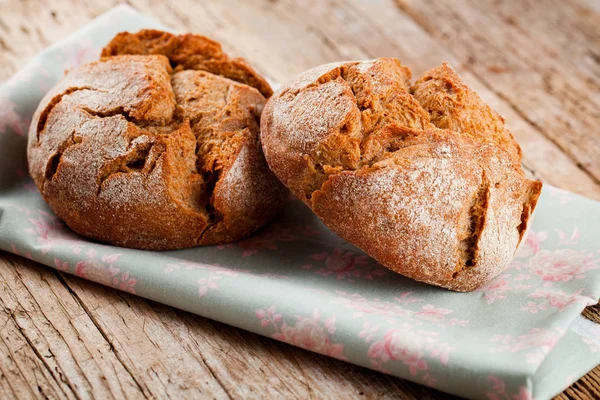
{"x": 156, "y": 145}
{"x": 425, "y": 178}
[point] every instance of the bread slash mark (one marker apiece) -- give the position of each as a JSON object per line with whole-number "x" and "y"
{"x": 533, "y": 193}
{"x": 469, "y": 246}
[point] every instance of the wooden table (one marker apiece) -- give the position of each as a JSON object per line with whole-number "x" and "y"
{"x": 537, "y": 62}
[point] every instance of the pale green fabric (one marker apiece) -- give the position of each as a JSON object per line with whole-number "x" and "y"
{"x": 297, "y": 282}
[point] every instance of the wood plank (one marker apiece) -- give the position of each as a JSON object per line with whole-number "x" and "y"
{"x": 167, "y": 364}
{"x": 593, "y": 313}
{"x": 50, "y": 346}
{"x": 23, "y": 373}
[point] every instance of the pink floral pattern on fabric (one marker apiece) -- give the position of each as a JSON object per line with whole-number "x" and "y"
{"x": 61, "y": 265}
{"x": 594, "y": 347}
{"x": 546, "y": 299}
{"x": 347, "y": 265}
{"x": 533, "y": 263}
{"x": 102, "y": 270}
{"x": 211, "y": 282}
{"x": 48, "y": 231}
{"x": 532, "y": 244}
{"x": 496, "y": 289}
{"x": 537, "y": 343}
{"x": 499, "y": 392}
{"x": 410, "y": 345}
{"x": 268, "y": 239}
{"x": 189, "y": 266}
{"x": 563, "y": 197}
{"x": 368, "y": 332}
{"x": 563, "y": 265}
{"x": 398, "y": 310}
{"x": 14, "y": 250}
{"x": 568, "y": 240}
{"x": 215, "y": 274}
{"x": 309, "y": 333}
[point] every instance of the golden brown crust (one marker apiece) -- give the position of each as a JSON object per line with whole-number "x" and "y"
{"x": 188, "y": 51}
{"x": 128, "y": 151}
{"x": 453, "y": 105}
{"x": 425, "y": 179}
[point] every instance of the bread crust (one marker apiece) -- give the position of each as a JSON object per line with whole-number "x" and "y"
{"x": 188, "y": 52}
{"x": 131, "y": 151}
{"x": 424, "y": 178}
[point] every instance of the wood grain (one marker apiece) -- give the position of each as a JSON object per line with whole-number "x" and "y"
{"x": 62, "y": 337}
{"x": 51, "y": 344}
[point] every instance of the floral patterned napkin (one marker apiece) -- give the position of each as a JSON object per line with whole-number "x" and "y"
{"x": 519, "y": 337}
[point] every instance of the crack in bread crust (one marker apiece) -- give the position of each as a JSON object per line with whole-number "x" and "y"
{"x": 187, "y": 52}
{"x": 356, "y": 118}
{"x": 111, "y": 113}
{"x": 142, "y": 143}
{"x": 418, "y": 118}
{"x": 54, "y": 161}
{"x": 134, "y": 160}
{"x": 41, "y": 125}
{"x": 377, "y": 106}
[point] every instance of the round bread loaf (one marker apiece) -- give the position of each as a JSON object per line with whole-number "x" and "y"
{"x": 424, "y": 178}
{"x": 156, "y": 145}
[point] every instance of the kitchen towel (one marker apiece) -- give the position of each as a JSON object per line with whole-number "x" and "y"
{"x": 519, "y": 337}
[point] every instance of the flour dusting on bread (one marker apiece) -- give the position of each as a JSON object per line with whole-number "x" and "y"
{"x": 137, "y": 149}
{"x": 425, "y": 177}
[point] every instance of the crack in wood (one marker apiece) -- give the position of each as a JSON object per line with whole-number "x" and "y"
{"x": 41, "y": 360}
{"x": 214, "y": 375}
{"x": 102, "y": 332}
